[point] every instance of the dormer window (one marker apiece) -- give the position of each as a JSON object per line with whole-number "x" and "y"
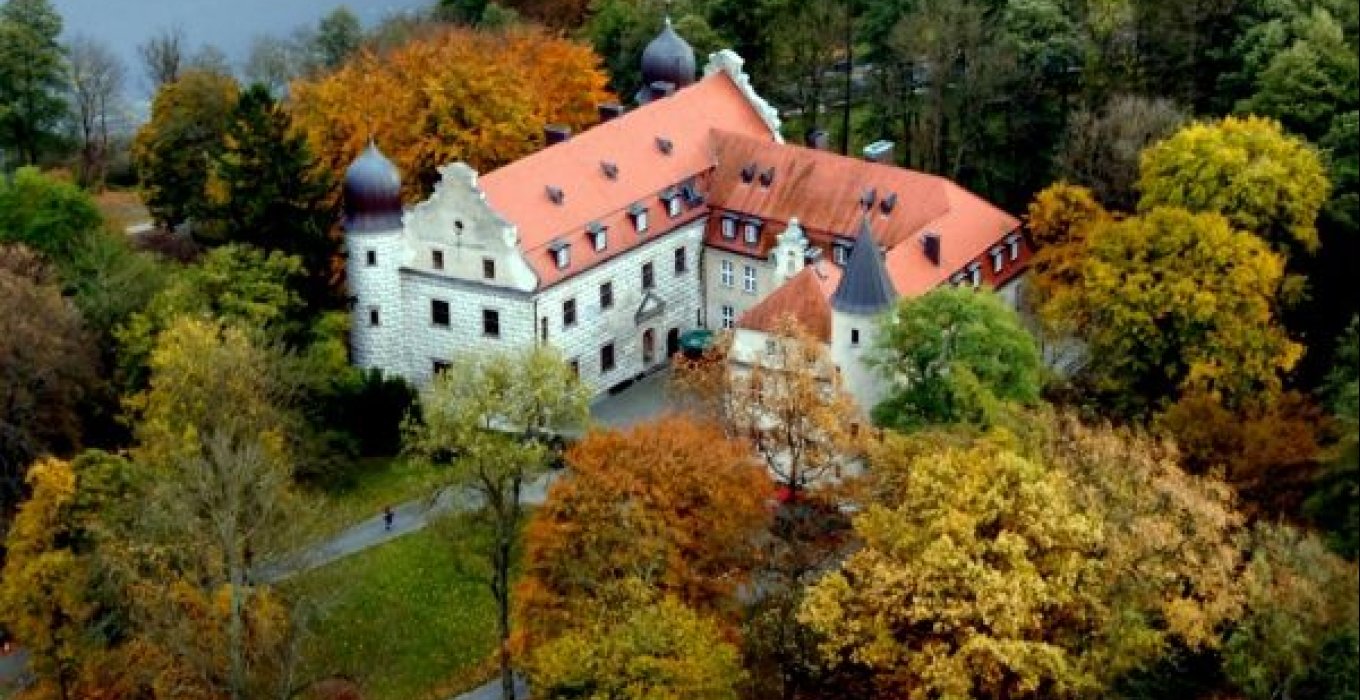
{"x": 729, "y": 228}
{"x": 1013, "y": 241}
{"x": 561, "y": 252}
{"x": 867, "y": 199}
{"x": 767, "y": 177}
{"x": 748, "y": 173}
{"x": 998, "y": 258}
{"x": 639, "y": 214}
{"x": 690, "y": 191}
{"x": 674, "y": 207}
{"x": 751, "y": 231}
{"x": 599, "y": 235}
{"x": 555, "y": 194}
{"x": 888, "y": 203}
{"x": 840, "y": 252}
{"x": 956, "y": 279}
{"x": 974, "y": 274}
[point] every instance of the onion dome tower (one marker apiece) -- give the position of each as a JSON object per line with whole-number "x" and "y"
{"x": 374, "y": 247}
{"x": 667, "y": 65}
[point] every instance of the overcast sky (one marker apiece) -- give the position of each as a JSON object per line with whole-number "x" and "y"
{"x": 229, "y": 24}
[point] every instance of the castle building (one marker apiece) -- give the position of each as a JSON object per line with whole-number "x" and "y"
{"x": 686, "y": 212}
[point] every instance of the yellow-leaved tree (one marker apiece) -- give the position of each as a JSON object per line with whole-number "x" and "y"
{"x": 452, "y": 95}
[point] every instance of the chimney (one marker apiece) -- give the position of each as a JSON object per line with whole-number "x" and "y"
{"x": 817, "y": 138}
{"x": 931, "y": 242}
{"x": 880, "y": 151}
{"x": 662, "y": 89}
{"x": 609, "y": 110}
{"x": 555, "y": 133}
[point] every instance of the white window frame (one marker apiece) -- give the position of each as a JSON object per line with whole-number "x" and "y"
{"x": 1014, "y": 242}
{"x": 975, "y": 274}
{"x": 998, "y": 258}
{"x": 728, "y": 316}
{"x": 563, "y": 256}
{"x": 640, "y": 221}
{"x": 729, "y": 228}
{"x": 840, "y": 254}
{"x": 601, "y": 241}
{"x": 673, "y": 206}
{"x": 727, "y": 273}
{"x": 748, "y": 279}
{"x": 751, "y": 232}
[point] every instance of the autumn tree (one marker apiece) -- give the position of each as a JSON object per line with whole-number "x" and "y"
{"x": 494, "y": 415}
{"x": 48, "y": 374}
{"x": 951, "y": 355}
{"x": 992, "y": 568}
{"x": 173, "y": 152}
{"x": 1172, "y": 301}
{"x": 223, "y": 503}
{"x": 672, "y": 504}
{"x": 32, "y": 78}
{"x": 1102, "y": 147}
{"x": 484, "y": 98}
{"x": 1262, "y": 180}
{"x": 1060, "y": 220}
{"x": 1299, "y": 598}
{"x": 657, "y": 650}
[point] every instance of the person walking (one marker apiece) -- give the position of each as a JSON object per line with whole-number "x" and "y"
{"x": 388, "y": 517}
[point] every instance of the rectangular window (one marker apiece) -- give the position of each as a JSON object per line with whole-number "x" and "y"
{"x": 648, "y": 276}
{"x": 543, "y": 328}
{"x": 681, "y": 265}
{"x": 673, "y": 206}
{"x": 728, "y": 276}
{"x": 601, "y": 240}
{"x": 575, "y": 365}
{"x": 639, "y": 214}
{"x": 1014, "y": 243}
{"x": 491, "y": 323}
{"x": 371, "y": 257}
{"x": 748, "y": 280}
{"x": 437, "y": 259}
{"x": 975, "y": 274}
{"x": 569, "y": 313}
{"x": 373, "y": 316}
{"x": 563, "y": 255}
{"x": 998, "y": 258}
{"x": 607, "y": 296}
{"x": 439, "y": 366}
{"x": 607, "y": 358}
{"x": 729, "y": 316}
{"x": 439, "y": 312}
{"x": 752, "y": 232}
{"x": 488, "y": 269}
{"x": 854, "y": 337}
{"x": 729, "y": 228}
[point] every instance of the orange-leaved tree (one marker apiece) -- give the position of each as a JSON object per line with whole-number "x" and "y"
{"x": 454, "y": 95}
{"x": 671, "y": 503}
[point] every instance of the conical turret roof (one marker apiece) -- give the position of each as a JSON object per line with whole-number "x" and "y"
{"x": 865, "y": 287}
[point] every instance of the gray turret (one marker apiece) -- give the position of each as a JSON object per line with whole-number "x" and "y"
{"x": 667, "y": 65}
{"x": 865, "y": 288}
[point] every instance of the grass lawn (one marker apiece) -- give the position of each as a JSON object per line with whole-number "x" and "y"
{"x": 381, "y": 481}
{"x": 401, "y": 620}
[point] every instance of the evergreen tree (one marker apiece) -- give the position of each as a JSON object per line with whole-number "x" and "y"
{"x": 32, "y": 78}
{"x": 266, "y": 190}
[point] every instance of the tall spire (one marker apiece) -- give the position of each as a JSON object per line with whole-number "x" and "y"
{"x": 864, "y": 287}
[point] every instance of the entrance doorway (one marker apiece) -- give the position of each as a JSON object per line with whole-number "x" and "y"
{"x": 648, "y": 347}
{"x": 672, "y": 342}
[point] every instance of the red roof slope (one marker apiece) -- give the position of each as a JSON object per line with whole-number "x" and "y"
{"x": 518, "y": 191}
{"x": 803, "y": 297}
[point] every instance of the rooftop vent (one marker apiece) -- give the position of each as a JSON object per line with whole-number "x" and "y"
{"x": 664, "y": 145}
{"x": 879, "y": 152}
{"x": 888, "y": 203}
{"x": 609, "y": 110}
{"x": 767, "y": 176}
{"x": 748, "y": 173}
{"x": 690, "y": 191}
{"x": 556, "y": 133}
{"x": 931, "y": 243}
{"x": 817, "y": 138}
{"x": 610, "y": 169}
{"x": 866, "y": 199}
{"x": 662, "y": 89}
{"x": 555, "y": 194}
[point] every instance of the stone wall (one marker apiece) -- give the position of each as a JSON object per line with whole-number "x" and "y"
{"x": 717, "y": 294}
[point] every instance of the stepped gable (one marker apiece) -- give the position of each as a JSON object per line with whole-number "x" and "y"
{"x": 865, "y": 288}
{"x": 643, "y": 171}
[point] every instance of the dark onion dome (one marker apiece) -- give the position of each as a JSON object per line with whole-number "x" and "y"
{"x": 668, "y": 59}
{"x": 865, "y": 288}
{"x": 372, "y": 192}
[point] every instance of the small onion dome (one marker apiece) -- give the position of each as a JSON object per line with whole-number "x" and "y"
{"x": 372, "y": 192}
{"x": 668, "y": 59}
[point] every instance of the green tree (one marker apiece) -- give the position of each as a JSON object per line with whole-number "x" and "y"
{"x": 655, "y": 651}
{"x": 949, "y": 356}
{"x": 495, "y": 415}
{"x": 32, "y": 78}
{"x": 174, "y": 151}
{"x": 267, "y": 190}
{"x": 338, "y": 36}
{"x": 55, "y": 218}
{"x": 1170, "y": 301}
{"x": 1264, "y": 181}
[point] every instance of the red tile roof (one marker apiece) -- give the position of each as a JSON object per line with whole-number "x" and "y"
{"x": 518, "y": 191}
{"x": 804, "y": 297}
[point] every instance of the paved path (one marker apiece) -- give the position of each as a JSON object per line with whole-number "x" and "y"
{"x": 411, "y": 516}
